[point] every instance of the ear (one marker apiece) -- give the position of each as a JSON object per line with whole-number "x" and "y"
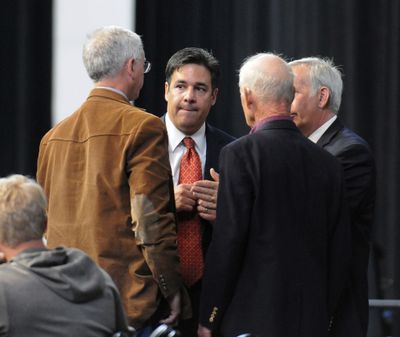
{"x": 248, "y": 99}
{"x": 129, "y": 66}
{"x": 166, "y": 89}
{"x": 323, "y": 99}
{"x": 214, "y": 96}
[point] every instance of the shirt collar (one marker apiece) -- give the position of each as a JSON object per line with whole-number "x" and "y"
{"x": 114, "y": 90}
{"x": 175, "y": 136}
{"x": 317, "y": 134}
{"x": 261, "y": 122}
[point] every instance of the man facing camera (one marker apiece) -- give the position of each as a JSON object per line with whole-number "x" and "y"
{"x": 193, "y": 145}
{"x": 276, "y": 264}
{"x": 58, "y": 292}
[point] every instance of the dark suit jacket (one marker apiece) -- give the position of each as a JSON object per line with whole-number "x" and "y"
{"x": 359, "y": 174}
{"x": 277, "y": 260}
{"x": 216, "y": 140}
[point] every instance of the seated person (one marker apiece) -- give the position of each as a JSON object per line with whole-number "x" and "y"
{"x": 59, "y": 292}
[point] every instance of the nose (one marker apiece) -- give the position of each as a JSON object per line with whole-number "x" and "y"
{"x": 190, "y": 95}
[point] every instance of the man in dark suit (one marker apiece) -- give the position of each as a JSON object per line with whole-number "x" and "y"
{"x": 318, "y": 85}
{"x": 190, "y": 91}
{"x": 276, "y": 264}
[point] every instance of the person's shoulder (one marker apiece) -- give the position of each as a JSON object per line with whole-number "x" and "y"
{"x": 347, "y": 143}
{"x": 135, "y": 118}
{"x": 218, "y": 134}
{"x": 10, "y": 275}
{"x": 64, "y": 124}
{"x": 340, "y": 135}
{"x": 319, "y": 157}
{"x": 349, "y": 136}
{"x": 239, "y": 144}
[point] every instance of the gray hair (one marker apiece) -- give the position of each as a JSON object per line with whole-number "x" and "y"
{"x": 322, "y": 72}
{"x": 107, "y": 50}
{"x": 268, "y": 84}
{"x": 22, "y": 210}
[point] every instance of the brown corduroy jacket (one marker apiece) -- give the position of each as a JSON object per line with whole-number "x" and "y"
{"x": 106, "y": 174}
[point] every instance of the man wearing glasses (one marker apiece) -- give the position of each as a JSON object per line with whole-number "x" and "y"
{"x": 106, "y": 173}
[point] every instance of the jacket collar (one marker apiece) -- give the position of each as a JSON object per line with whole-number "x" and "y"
{"x": 278, "y": 124}
{"x": 105, "y": 93}
{"x": 331, "y": 132}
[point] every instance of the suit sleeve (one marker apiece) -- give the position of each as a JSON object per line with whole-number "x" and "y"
{"x": 225, "y": 254}
{"x": 152, "y": 203}
{"x": 340, "y": 250}
{"x": 359, "y": 175}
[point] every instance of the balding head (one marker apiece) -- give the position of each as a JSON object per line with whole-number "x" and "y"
{"x": 268, "y": 79}
{"x": 269, "y": 76}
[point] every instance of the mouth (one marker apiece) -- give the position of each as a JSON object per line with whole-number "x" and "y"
{"x": 293, "y": 115}
{"x": 187, "y": 109}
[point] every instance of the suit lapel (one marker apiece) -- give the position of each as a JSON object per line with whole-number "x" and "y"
{"x": 212, "y": 153}
{"x": 329, "y": 134}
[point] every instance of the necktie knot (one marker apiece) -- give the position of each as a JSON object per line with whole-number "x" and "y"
{"x": 189, "y": 142}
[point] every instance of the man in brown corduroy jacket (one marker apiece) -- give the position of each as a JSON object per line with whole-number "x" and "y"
{"x": 106, "y": 173}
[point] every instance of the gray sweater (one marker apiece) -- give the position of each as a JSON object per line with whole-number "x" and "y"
{"x": 57, "y": 293}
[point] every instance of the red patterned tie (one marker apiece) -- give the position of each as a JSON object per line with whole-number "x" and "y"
{"x": 189, "y": 238}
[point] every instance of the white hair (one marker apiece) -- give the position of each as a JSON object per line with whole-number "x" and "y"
{"x": 322, "y": 72}
{"x": 268, "y": 84}
{"x": 107, "y": 50}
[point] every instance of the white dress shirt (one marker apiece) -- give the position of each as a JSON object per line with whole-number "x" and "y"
{"x": 317, "y": 134}
{"x": 176, "y": 148}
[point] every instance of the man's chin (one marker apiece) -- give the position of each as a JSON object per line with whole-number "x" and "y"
{"x": 189, "y": 126}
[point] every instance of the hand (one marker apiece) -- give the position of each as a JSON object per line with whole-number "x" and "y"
{"x": 202, "y": 331}
{"x": 175, "y": 310}
{"x": 214, "y": 175}
{"x": 184, "y": 198}
{"x": 206, "y": 191}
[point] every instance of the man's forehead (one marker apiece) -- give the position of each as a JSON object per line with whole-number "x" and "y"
{"x": 301, "y": 75}
{"x": 185, "y": 76}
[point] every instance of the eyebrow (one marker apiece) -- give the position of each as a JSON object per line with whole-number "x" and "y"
{"x": 202, "y": 84}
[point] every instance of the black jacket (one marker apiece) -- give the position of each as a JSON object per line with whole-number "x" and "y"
{"x": 358, "y": 165}
{"x": 277, "y": 262}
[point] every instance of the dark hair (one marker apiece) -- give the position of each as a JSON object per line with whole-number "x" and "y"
{"x": 193, "y": 55}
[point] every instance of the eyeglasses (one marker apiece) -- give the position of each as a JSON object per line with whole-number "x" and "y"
{"x": 146, "y": 66}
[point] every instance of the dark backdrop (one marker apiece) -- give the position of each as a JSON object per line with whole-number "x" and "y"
{"x": 362, "y": 36}
{"x": 25, "y": 86}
